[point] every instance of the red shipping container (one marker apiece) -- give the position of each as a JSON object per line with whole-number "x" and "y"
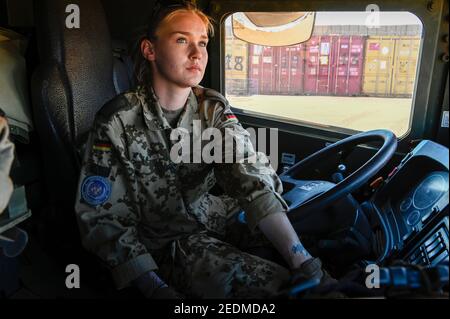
{"x": 254, "y": 72}
{"x": 290, "y": 75}
{"x": 267, "y": 71}
{"x": 297, "y": 70}
{"x": 334, "y": 65}
{"x": 283, "y": 68}
{"x": 261, "y": 69}
{"x": 276, "y": 70}
{"x": 312, "y": 55}
{"x": 349, "y": 65}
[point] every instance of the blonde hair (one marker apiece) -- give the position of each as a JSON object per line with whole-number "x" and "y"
{"x": 189, "y": 8}
{"x": 142, "y": 69}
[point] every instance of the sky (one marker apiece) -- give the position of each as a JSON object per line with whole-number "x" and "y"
{"x": 360, "y": 18}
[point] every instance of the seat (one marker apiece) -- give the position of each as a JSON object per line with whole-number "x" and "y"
{"x": 74, "y": 79}
{"x": 123, "y": 70}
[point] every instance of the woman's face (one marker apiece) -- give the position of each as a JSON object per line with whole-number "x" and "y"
{"x": 178, "y": 55}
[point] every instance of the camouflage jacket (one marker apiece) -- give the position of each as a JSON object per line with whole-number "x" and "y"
{"x": 6, "y": 159}
{"x": 133, "y": 199}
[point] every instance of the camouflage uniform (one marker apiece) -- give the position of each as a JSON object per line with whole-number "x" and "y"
{"x": 137, "y": 209}
{"x": 6, "y": 159}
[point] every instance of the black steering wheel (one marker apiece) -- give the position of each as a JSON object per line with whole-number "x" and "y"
{"x": 329, "y": 192}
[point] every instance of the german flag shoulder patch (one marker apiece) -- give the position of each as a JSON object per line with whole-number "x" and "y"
{"x": 229, "y": 115}
{"x": 101, "y": 146}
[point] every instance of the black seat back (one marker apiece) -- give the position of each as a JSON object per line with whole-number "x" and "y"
{"x": 72, "y": 82}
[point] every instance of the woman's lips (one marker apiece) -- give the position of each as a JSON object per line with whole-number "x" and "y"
{"x": 194, "y": 68}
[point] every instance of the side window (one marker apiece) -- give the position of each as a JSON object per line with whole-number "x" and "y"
{"x": 349, "y": 74}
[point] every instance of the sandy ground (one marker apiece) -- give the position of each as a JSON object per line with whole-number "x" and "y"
{"x": 358, "y": 113}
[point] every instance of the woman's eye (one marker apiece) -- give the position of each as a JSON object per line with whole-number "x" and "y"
{"x": 181, "y": 40}
{"x": 203, "y": 44}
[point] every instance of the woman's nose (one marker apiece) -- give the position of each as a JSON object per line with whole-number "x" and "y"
{"x": 195, "y": 52}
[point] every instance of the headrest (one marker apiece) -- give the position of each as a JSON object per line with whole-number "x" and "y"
{"x": 76, "y": 60}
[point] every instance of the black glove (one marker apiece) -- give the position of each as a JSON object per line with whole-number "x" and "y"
{"x": 312, "y": 270}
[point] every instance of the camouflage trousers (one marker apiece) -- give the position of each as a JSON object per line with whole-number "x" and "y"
{"x": 218, "y": 261}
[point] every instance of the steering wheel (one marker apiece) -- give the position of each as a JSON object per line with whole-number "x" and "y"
{"x": 328, "y": 192}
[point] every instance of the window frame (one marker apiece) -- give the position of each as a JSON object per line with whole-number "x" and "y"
{"x": 425, "y": 114}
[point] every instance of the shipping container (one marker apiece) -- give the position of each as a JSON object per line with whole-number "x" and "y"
{"x": 316, "y": 65}
{"x": 290, "y": 70}
{"x": 236, "y": 66}
{"x": 267, "y": 71}
{"x": 260, "y": 69}
{"x": 334, "y": 65}
{"x": 324, "y": 65}
{"x": 349, "y": 65}
{"x": 379, "y": 59}
{"x": 405, "y": 66}
{"x": 341, "y": 65}
{"x": 363, "y": 30}
{"x": 276, "y": 70}
{"x": 390, "y": 66}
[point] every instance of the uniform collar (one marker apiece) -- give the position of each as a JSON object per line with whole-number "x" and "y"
{"x": 153, "y": 113}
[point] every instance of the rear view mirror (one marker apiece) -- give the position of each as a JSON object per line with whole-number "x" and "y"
{"x": 273, "y": 28}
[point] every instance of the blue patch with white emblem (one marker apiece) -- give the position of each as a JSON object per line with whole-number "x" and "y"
{"x": 95, "y": 190}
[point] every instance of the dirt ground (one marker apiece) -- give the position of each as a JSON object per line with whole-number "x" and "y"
{"x": 358, "y": 113}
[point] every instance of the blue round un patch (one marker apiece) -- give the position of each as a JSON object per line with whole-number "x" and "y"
{"x": 95, "y": 190}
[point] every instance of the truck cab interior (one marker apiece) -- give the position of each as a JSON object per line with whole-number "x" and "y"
{"x": 357, "y": 96}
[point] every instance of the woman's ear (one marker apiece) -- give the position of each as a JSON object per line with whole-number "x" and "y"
{"x": 147, "y": 50}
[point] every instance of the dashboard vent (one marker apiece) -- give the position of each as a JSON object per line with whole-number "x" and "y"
{"x": 434, "y": 249}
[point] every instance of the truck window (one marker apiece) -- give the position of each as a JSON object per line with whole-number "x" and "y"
{"x": 356, "y": 72}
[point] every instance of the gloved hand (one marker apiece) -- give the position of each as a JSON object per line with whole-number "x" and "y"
{"x": 312, "y": 269}
{"x": 153, "y": 287}
{"x": 307, "y": 273}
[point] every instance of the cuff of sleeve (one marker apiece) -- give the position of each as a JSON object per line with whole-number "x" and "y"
{"x": 268, "y": 203}
{"x": 132, "y": 269}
